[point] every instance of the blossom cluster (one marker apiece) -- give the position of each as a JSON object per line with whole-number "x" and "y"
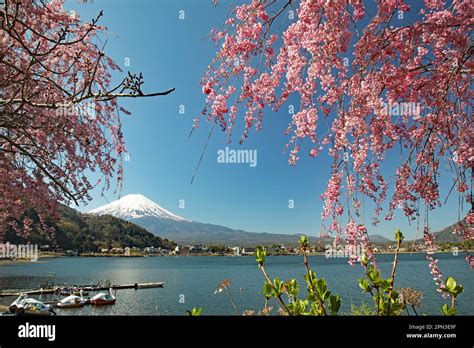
{"x": 341, "y": 95}
{"x": 49, "y": 62}
{"x": 428, "y": 237}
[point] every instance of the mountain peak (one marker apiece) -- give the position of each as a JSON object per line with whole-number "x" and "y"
{"x": 135, "y": 206}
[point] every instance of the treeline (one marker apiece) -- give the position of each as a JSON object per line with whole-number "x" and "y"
{"x": 85, "y": 233}
{"x": 219, "y": 249}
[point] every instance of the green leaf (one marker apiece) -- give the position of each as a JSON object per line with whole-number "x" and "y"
{"x": 399, "y": 235}
{"x": 451, "y": 284}
{"x": 326, "y": 295}
{"x": 321, "y": 287}
{"x": 316, "y": 309}
{"x": 267, "y": 290}
{"x": 303, "y": 242}
{"x": 395, "y": 307}
{"x": 384, "y": 306}
{"x": 292, "y": 287}
{"x": 260, "y": 254}
{"x": 195, "y": 312}
{"x": 299, "y": 307}
{"x": 384, "y": 284}
{"x": 445, "y": 310}
{"x": 458, "y": 289}
{"x": 277, "y": 286}
{"x": 364, "y": 284}
{"x": 373, "y": 275}
{"x": 334, "y": 304}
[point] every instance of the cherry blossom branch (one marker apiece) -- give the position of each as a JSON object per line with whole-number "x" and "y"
{"x": 59, "y": 116}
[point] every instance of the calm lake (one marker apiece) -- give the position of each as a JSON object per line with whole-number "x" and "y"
{"x": 194, "y": 279}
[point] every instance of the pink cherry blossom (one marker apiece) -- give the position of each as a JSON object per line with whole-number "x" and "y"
{"x": 433, "y": 262}
{"x": 347, "y": 96}
{"x": 59, "y": 113}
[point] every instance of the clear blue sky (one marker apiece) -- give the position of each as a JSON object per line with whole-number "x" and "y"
{"x": 175, "y": 53}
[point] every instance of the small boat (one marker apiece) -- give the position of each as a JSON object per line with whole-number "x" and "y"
{"x": 24, "y": 305}
{"x": 149, "y": 285}
{"x": 103, "y": 298}
{"x": 17, "y": 303}
{"x": 72, "y": 301}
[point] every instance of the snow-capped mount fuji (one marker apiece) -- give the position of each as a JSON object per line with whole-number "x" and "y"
{"x": 145, "y": 213}
{"x": 135, "y": 206}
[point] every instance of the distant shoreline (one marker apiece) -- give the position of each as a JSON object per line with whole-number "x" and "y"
{"x": 9, "y": 261}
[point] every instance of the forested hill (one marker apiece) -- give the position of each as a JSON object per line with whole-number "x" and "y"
{"x": 83, "y": 232}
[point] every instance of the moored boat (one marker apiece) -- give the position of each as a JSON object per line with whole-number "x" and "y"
{"x": 24, "y": 305}
{"x": 149, "y": 285}
{"x": 103, "y": 298}
{"x": 17, "y": 303}
{"x": 72, "y": 301}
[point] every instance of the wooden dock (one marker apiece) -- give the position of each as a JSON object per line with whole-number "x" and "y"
{"x": 136, "y": 286}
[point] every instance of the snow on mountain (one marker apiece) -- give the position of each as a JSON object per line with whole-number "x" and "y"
{"x": 161, "y": 222}
{"x": 135, "y": 206}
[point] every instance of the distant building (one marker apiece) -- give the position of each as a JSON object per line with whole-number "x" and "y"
{"x": 236, "y": 251}
{"x": 151, "y": 250}
{"x": 117, "y": 250}
{"x": 196, "y": 249}
{"x": 185, "y": 250}
{"x": 248, "y": 251}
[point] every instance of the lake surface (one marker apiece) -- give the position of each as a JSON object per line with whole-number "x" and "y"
{"x": 194, "y": 279}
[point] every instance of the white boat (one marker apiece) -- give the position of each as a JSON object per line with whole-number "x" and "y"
{"x": 17, "y": 303}
{"x": 72, "y": 301}
{"x": 30, "y": 306}
{"x": 149, "y": 285}
{"x": 103, "y": 298}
